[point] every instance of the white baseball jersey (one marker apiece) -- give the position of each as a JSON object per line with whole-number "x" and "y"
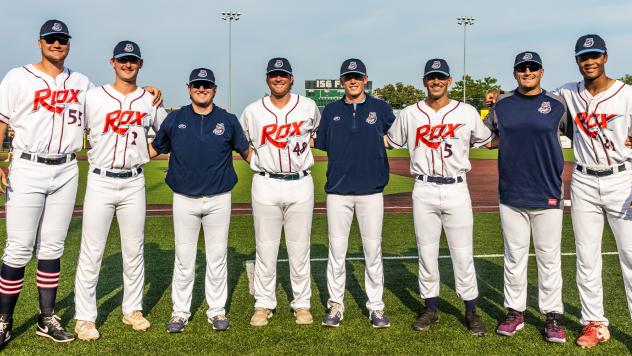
{"x": 281, "y": 137}
{"x": 439, "y": 142}
{"x": 45, "y": 112}
{"x": 602, "y": 123}
{"x": 118, "y": 125}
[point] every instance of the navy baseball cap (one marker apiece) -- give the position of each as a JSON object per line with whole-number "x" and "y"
{"x": 54, "y": 27}
{"x": 352, "y": 65}
{"x": 527, "y": 57}
{"x": 279, "y": 64}
{"x": 437, "y": 65}
{"x": 126, "y": 49}
{"x": 202, "y": 75}
{"x": 590, "y": 43}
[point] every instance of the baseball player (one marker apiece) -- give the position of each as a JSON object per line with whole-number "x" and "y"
{"x": 279, "y": 128}
{"x": 352, "y": 133}
{"x": 43, "y": 103}
{"x": 601, "y": 110}
{"x": 438, "y": 132}
{"x": 118, "y": 117}
{"x": 200, "y": 138}
{"x": 530, "y": 164}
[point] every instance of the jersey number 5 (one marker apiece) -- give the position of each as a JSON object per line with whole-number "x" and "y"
{"x": 76, "y": 116}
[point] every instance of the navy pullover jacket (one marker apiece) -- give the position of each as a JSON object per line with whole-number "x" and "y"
{"x": 201, "y": 148}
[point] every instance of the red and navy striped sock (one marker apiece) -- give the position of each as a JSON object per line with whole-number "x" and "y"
{"x": 11, "y": 281}
{"x": 47, "y": 281}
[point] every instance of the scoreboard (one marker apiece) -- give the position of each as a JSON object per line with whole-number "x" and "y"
{"x": 325, "y": 91}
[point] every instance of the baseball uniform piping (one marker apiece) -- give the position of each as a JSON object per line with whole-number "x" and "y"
{"x": 289, "y": 159}
{"x": 429, "y": 123}
{"x": 127, "y": 132}
{"x": 116, "y": 144}
{"x": 52, "y": 130}
{"x": 62, "y": 116}
{"x": 443, "y": 118}
{"x": 579, "y": 93}
{"x": 600, "y": 140}
{"x": 277, "y": 122}
{"x": 4, "y": 118}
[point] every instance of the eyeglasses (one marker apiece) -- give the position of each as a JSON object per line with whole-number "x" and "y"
{"x": 201, "y": 85}
{"x": 52, "y": 39}
{"x": 356, "y": 76}
{"x": 522, "y": 67}
{"x": 127, "y": 59}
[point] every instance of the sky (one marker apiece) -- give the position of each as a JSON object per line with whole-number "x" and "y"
{"x": 393, "y": 38}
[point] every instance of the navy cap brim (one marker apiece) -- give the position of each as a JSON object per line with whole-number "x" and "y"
{"x": 437, "y": 71}
{"x": 127, "y": 55}
{"x": 528, "y": 61}
{"x": 588, "y": 50}
{"x": 352, "y": 71}
{"x": 55, "y": 33}
{"x": 201, "y": 80}
{"x": 279, "y": 70}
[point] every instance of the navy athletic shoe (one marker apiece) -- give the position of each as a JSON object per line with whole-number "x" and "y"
{"x": 220, "y": 323}
{"x": 49, "y": 326}
{"x": 333, "y": 318}
{"x": 176, "y": 324}
{"x": 379, "y": 320}
{"x": 6, "y": 329}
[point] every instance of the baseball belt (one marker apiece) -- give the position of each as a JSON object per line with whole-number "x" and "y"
{"x": 126, "y": 174}
{"x": 285, "y": 176}
{"x": 440, "y": 180}
{"x": 49, "y": 161}
{"x": 601, "y": 172}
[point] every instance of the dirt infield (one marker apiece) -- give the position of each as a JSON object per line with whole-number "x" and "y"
{"x": 482, "y": 181}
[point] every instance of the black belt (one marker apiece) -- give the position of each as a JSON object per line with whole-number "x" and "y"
{"x": 441, "y": 180}
{"x": 285, "y": 176}
{"x": 126, "y": 174}
{"x": 50, "y": 161}
{"x": 601, "y": 173}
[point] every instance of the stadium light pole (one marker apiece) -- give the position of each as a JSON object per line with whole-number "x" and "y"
{"x": 464, "y": 21}
{"x": 230, "y": 16}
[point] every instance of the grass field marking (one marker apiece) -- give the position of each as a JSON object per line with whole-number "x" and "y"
{"x": 250, "y": 264}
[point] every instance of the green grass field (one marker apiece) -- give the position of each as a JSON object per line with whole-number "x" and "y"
{"x": 283, "y": 336}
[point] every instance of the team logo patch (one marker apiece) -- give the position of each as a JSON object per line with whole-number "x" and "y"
{"x": 372, "y": 118}
{"x": 129, "y": 48}
{"x": 352, "y": 65}
{"x": 120, "y": 121}
{"x": 280, "y": 135}
{"x": 589, "y": 42}
{"x": 545, "y": 107}
{"x": 336, "y": 118}
{"x": 219, "y": 129}
{"x": 527, "y": 56}
{"x": 57, "y": 27}
{"x": 436, "y": 65}
{"x": 278, "y": 64}
{"x": 182, "y": 126}
{"x": 55, "y": 101}
{"x": 593, "y": 124}
{"x": 202, "y": 74}
{"x": 432, "y": 136}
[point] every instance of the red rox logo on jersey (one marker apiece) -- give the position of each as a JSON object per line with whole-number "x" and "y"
{"x": 119, "y": 121}
{"x": 55, "y": 101}
{"x": 432, "y": 136}
{"x": 591, "y": 124}
{"x": 277, "y": 134}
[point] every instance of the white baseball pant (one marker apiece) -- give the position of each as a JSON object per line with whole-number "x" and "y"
{"x": 518, "y": 224}
{"x": 447, "y": 206}
{"x": 278, "y": 204}
{"x": 213, "y": 214}
{"x": 591, "y": 198}
{"x": 105, "y": 197}
{"x": 39, "y": 206}
{"x": 369, "y": 210}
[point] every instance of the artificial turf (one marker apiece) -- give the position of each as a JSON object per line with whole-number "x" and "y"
{"x": 354, "y": 336}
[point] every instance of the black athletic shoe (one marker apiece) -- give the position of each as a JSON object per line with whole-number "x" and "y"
{"x": 426, "y": 318}
{"x": 6, "y": 328}
{"x": 475, "y": 324}
{"x": 49, "y": 326}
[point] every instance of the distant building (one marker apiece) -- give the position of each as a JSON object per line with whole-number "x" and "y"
{"x": 325, "y": 91}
